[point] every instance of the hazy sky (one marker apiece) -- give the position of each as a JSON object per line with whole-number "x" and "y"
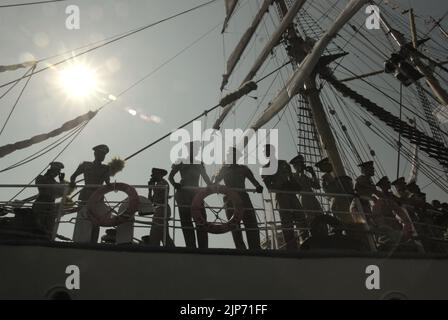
{"x": 179, "y": 91}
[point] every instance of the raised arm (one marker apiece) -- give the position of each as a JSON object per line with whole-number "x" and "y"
{"x": 77, "y": 173}
{"x": 174, "y": 170}
{"x": 315, "y": 183}
{"x": 404, "y": 217}
{"x": 205, "y": 176}
{"x": 250, "y": 176}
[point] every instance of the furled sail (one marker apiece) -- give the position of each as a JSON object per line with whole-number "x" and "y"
{"x": 244, "y": 42}
{"x": 17, "y": 66}
{"x": 230, "y": 9}
{"x": 10, "y": 148}
{"x": 275, "y": 39}
{"x": 305, "y": 69}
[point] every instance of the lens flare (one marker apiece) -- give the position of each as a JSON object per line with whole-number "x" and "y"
{"x": 78, "y": 81}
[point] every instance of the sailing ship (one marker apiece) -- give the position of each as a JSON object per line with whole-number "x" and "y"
{"x": 350, "y": 92}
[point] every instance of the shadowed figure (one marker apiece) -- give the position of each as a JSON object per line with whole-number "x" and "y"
{"x": 290, "y": 209}
{"x": 365, "y": 189}
{"x": 234, "y": 176}
{"x": 159, "y": 197}
{"x": 45, "y": 208}
{"x": 306, "y": 183}
{"x": 190, "y": 173}
{"x": 339, "y": 205}
{"x": 388, "y": 218}
{"x": 95, "y": 173}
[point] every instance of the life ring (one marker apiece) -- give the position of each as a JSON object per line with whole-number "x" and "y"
{"x": 109, "y": 220}
{"x": 212, "y": 227}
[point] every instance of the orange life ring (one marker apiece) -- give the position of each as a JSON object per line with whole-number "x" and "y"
{"x": 113, "y": 220}
{"x": 212, "y": 227}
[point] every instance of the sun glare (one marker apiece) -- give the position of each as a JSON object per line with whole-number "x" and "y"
{"x": 78, "y": 81}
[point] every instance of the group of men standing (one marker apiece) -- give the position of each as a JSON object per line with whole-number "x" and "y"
{"x": 389, "y": 213}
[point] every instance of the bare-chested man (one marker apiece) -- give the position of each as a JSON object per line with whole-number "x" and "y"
{"x": 234, "y": 176}
{"x": 190, "y": 173}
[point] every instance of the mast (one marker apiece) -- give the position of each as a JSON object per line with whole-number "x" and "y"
{"x": 297, "y": 52}
{"x": 413, "y": 28}
{"x": 413, "y": 173}
{"x": 323, "y": 127}
{"x": 308, "y": 65}
{"x": 432, "y": 81}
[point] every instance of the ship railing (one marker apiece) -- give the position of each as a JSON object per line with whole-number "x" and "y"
{"x": 271, "y": 226}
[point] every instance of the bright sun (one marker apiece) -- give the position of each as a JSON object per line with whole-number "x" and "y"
{"x": 78, "y": 81}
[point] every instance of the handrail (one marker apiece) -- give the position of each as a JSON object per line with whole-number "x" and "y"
{"x": 272, "y": 225}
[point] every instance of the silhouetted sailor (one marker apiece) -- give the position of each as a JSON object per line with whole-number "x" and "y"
{"x": 234, "y": 176}
{"x": 400, "y": 189}
{"x": 159, "y": 189}
{"x": 364, "y": 188}
{"x": 413, "y": 187}
{"x": 95, "y": 173}
{"x": 44, "y": 208}
{"x": 415, "y": 203}
{"x": 190, "y": 173}
{"x": 339, "y": 205}
{"x": 308, "y": 184}
{"x": 321, "y": 239}
{"x": 290, "y": 209}
{"x": 388, "y": 217}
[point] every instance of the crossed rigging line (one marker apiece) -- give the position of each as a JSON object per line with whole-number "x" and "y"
{"x": 29, "y": 3}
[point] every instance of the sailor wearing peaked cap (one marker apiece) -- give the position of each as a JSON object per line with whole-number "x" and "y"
{"x": 159, "y": 172}
{"x": 399, "y": 181}
{"x": 322, "y": 163}
{"x": 298, "y": 159}
{"x": 384, "y": 181}
{"x": 158, "y": 193}
{"x": 102, "y": 148}
{"x": 368, "y": 164}
{"x": 190, "y": 173}
{"x": 413, "y": 187}
{"x": 235, "y": 176}
{"x": 44, "y": 208}
{"x": 56, "y": 165}
{"x": 400, "y": 189}
{"x": 364, "y": 188}
{"x": 367, "y": 169}
{"x": 95, "y": 173}
{"x": 307, "y": 183}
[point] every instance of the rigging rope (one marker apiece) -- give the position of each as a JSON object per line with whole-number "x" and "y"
{"x": 29, "y": 3}
{"x": 17, "y": 101}
{"x": 186, "y": 124}
{"x": 131, "y": 87}
{"x": 15, "y": 84}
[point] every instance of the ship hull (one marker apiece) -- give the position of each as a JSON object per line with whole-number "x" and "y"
{"x": 37, "y": 271}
